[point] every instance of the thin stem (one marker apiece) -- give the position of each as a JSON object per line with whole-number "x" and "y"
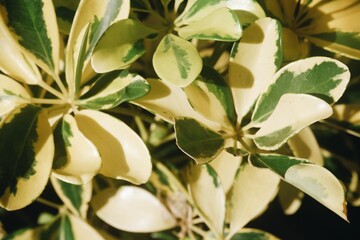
{"x": 48, "y": 203}
{"x": 142, "y": 129}
{"x": 337, "y": 127}
{"x": 219, "y": 49}
{"x": 199, "y": 231}
{"x": 51, "y": 90}
{"x": 133, "y": 113}
{"x": 47, "y": 101}
{"x": 61, "y": 85}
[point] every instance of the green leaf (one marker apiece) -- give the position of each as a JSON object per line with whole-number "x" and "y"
{"x": 34, "y": 23}
{"x": 83, "y": 159}
{"x": 253, "y": 234}
{"x": 254, "y": 60}
{"x": 286, "y": 119}
{"x": 253, "y": 190}
{"x": 344, "y": 43}
{"x": 65, "y": 12}
{"x": 322, "y": 77}
{"x": 112, "y": 52}
{"x": 26, "y": 150}
{"x": 220, "y": 25}
{"x": 183, "y": 63}
{"x": 208, "y": 196}
{"x": 314, "y": 180}
{"x": 140, "y": 211}
{"x": 198, "y": 141}
{"x": 124, "y": 154}
{"x": 113, "y": 89}
{"x": 75, "y": 197}
{"x": 211, "y": 96}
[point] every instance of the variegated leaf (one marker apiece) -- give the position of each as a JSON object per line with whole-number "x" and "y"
{"x": 101, "y": 14}
{"x": 26, "y": 150}
{"x": 183, "y": 63}
{"x": 208, "y": 196}
{"x": 251, "y": 234}
{"x": 12, "y": 61}
{"x": 226, "y": 166}
{"x": 286, "y": 119}
{"x": 254, "y": 60}
{"x": 65, "y": 13}
{"x": 113, "y": 52}
{"x": 314, "y": 180}
{"x": 35, "y": 28}
{"x": 198, "y": 141}
{"x": 82, "y": 160}
{"x": 248, "y": 11}
{"x": 344, "y": 43}
{"x": 220, "y": 25}
{"x": 113, "y": 88}
{"x": 322, "y": 77}
{"x": 124, "y": 155}
{"x": 136, "y": 210}
{"x": 211, "y": 96}
{"x": 67, "y": 226}
{"x": 198, "y": 9}
{"x": 169, "y": 102}
{"x": 252, "y": 192}
{"x": 12, "y": 94}
{"x": 75, "y": 197}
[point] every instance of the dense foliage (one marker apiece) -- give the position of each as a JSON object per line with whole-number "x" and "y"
{"x": 175, "y": 119}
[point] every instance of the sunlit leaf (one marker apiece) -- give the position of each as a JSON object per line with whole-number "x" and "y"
{"x": 254, "y": 60}
{"x": 252, "y": 192}
{"x": 75, "y": 197}
{"x": 198, "y": 9}
{"x": 26, "y": 150}
{"x": 13, "y": 62}
{"x": 169, "y": 102}
{"x": 114, "y": 88}
{"x": 183, "y": 63}
{"x": 198, "y": 141}
{"x": 247, "y": 11}
{"x": 314, "y": 180}
{"x": 136, "y": 210}
{"x": 220, "y": 25}
{"x": 101, "y": 14}
{"x": 12, "y": 94}
{"x": 208, "y": 196}
{"x": 82, "y": 158}
{"x": 34, "y": 24}
{"x": 117, "y": 50}
{"x": 124, "y": 155}
{"x": 322, "y": 77}
{"x": 286, "y": 119}
{"x": 211, "y": 96}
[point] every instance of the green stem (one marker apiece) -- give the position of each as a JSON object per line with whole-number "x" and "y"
{"x": 219, "y": 49}
{"x": 48, "y": 203}
{"x": 339, "y": 128}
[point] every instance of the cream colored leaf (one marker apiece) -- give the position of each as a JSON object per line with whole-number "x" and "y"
{"x": 348, "y": 113}
{"x": 102, "y": 13}
{"x": 286, "y": 120}
{"x": 226, "y": 165}
{"x": 83, "y": 159}
{"x": 253, "y": 190}
{"x": 246, "y": 10}
{"x": 124, "y": 155}
{"x": 13, "y": 62}
{"x": 83, "y": 230}
{"x": 290, "y": 198}
{"x": 28, "y": 189}
{"x": 208, "y": 196}
{"x": 169, "y": 102}
{"x": 320, "y": 184}
{"x": 12, "y": 94}
{"x": 221, "y": 25}
{"x": 77, "y": 202}
{"x": 132, "y": 209}
{"x": 254, "y": 60}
